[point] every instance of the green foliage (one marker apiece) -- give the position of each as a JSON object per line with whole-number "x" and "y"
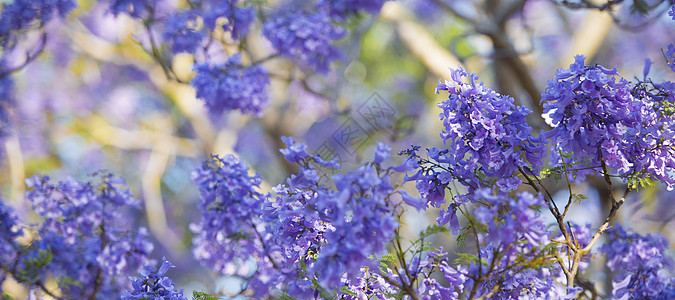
{"x": 66, "y": 280}
{"x": 578, "y": 197}
{"x": 433, "y": 229}
{"x": 637, "y": 182}
{"x": 6, "y": 296}
{"x": 203, "y": 296}
{"x": 463, "y": 233}
{"x": 33, "y": 265}
{"x": 465, "y": 258}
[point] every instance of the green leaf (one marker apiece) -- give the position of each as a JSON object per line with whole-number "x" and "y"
{"x": 465, "y": 258}
{"x": 433, "y": 229}
{"x": 463, "y": 233}
{"x": 203, "y": 296}
{"x": 6, "y": 296}
{"x": 578, "y": 197}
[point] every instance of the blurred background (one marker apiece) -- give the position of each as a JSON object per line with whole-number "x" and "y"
{"x": 96, "y": 99}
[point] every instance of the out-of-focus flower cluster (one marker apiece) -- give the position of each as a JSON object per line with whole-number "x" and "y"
{"x": 17, "y": 20}
{"x": 341, "y": 9}
{"x": 21, "y": 15}
{"x": 306, "y": 37}
{"x": 8, "y": 234}
{"x": 670, "y": 55}
{"x": 641, "y": 271}
{"x": 232, "y": 86}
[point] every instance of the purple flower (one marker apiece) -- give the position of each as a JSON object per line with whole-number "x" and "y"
{"x": 670, "y": 54}
{"x": 306, "y": 37}
{"x": 485, "y": 131}
{"x": 8, "y": 234}
{"x": 231, "y": 230}
{"x": 21, "y": 15}
{"x": 368, "y": 284}
{"x": 239, "y": 18}
{"x": 6, "y": 102}
{"x": 134, "y": 8}
{"x": 232, "y": 86}
{"x": 296, "y": 153}
{"x": 87, "y": 234}
{"x": 332, "y": 231}
{"x": 601, "y": 118}
{"x": 639, "y": 265}
{"x": 182, "y": 33}
{"x": 341, "y": 9}
{"x": 154, "y": 285}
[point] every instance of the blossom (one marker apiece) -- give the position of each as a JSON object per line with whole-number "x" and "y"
{"x": 153, "y": 284}
{"x": 87, "y": 219}
{"x": 602, "y": 118}
{"x": 231, "y": 230}
{"x": 341, "y": 9}
{"x": 670, "y": 54}
{"x": 639, "y": 265}
{"x": 238, "y": 17}
{"x": 182, "y": 33}
{"x": 134, "y": 8}
{"x": 485, "y": 132}
{"x": 21, "y": 15}
{"x": 232, "y": 86}
{"x": 333, "y": 231}
{"x": 306, "y": 37}
{"x": 8, "y": 233}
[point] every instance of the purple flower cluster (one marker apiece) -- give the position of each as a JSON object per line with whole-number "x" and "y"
{"x": 341, "y": 9}
{"x": 311, "y": 237}
{"x": 306, "y": 37}
{"x": 232, "y": 86}
{"x": 185, "y": 30}
{"x": 239, "y": 18}
{"x": 421, "y": 269}
{"x": 333, "y": 231}
{"x": 231, "y": 230}
{"x": 519, "y": 225}
{"x": 182, "y": 32}
{"x": 485, "y": 133}
{"x": 363, "y": 220}
{"x": 369, "y": 285}
{"x": 639, "y": 265}
{"x": 670, "y": 54}
{"x": 605, "y": 120}
{"x": 6, "y": 102}
{"x": 20, "y": 15}
{"x": 86, "y": 219}
{"x": 133, "y": 8}
{"x": 512, "y": 233}
{"x": 154, "y": 285}
{"x": 488, "y": 139}
{"x": 8, "y": 233}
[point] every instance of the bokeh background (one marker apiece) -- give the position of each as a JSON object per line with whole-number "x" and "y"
{"x": 96, "y": 99}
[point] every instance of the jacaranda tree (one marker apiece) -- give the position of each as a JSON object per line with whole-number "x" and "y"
{"x": 510, "y": 176}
